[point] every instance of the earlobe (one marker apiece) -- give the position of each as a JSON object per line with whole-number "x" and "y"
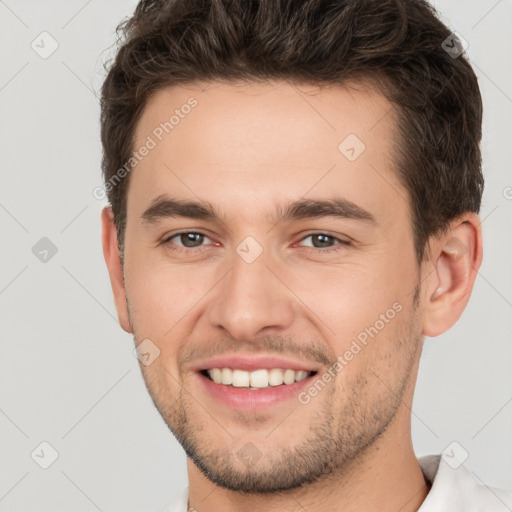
{"x": 111, "y": 254}
{"x": 457, "y": 256}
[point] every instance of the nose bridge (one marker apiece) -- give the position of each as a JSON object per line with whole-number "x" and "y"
{"x": 251, "y": 298}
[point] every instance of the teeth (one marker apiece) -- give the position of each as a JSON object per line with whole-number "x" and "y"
{"x": 289, "y": 377}
{"x": 226, "y": 376}
{"x": 259, "y": 378}
{"x": 256, "y": 379}
{"x": 240, "y": 379}
{"x": 300, "y": 375}
{"x": 216, "y": 375}
{"x": 275, "y": 377}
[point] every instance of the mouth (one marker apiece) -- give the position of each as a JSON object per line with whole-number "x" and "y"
{"x": 248, "y": 383}
{"x": 262, "y": 378}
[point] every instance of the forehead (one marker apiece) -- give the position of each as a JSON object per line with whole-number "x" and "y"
{"x": 251, "y": 144}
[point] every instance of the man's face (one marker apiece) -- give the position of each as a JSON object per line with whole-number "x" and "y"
{"x": 251, "y": 289}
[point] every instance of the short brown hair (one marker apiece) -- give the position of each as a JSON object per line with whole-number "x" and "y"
{"x": 398, "y": 44}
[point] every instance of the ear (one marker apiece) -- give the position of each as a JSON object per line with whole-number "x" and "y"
{"x": 115, "y": 270}
{"x": 456, "y": 257}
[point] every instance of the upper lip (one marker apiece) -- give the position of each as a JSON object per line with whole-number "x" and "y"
{"x": 253, "y": 362}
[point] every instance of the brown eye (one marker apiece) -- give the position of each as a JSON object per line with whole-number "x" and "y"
{"x": 191, "y": 239}
{"x": 323, "y": 240}
{"x": 187, "y": 239}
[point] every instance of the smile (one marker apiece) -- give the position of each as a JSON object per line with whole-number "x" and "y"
{"x": 255, "y": 390}
{"x": 257, "y": 379}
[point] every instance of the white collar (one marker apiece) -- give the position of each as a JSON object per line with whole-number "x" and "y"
{"x": 457, "y": 490}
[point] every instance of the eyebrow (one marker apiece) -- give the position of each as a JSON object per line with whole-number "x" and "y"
{"x": 163, "y": 207}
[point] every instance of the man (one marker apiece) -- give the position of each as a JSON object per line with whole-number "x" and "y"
{"x": 294, "y": 191}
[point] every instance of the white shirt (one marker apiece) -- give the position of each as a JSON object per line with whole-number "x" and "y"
{"x": 453, "y": 490}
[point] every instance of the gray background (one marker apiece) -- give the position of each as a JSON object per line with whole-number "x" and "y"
{"x": 68, "y": 374}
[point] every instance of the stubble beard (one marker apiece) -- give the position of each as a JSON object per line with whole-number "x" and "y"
{"x": 338, "y": 436}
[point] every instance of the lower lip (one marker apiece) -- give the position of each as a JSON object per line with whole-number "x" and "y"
{"x": 253, "y": 399}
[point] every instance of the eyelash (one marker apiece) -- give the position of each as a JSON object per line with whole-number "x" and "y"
{"x": 338, "y": 246}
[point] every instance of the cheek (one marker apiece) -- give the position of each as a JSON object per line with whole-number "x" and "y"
{"x": 347, "y": 300}
{"x": 374, "y": 359}
{"x": 162, "y": 295}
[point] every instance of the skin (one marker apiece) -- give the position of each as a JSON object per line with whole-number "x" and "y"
{"x": 245, "y": 148}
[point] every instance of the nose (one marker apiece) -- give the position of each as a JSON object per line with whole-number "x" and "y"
{"x": 251, "y": 300}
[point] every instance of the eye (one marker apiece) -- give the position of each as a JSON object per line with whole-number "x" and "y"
{"x": 324, "y": 241}
{"x": 196, "y": 240}
{"x": 186, "y": 239}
